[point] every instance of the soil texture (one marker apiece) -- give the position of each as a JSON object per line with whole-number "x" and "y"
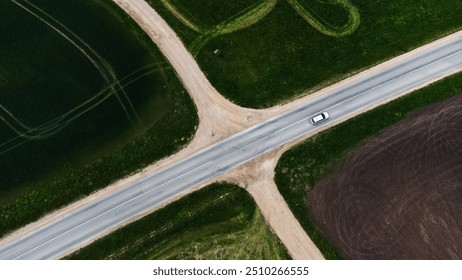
{"x": 399, "y": 194}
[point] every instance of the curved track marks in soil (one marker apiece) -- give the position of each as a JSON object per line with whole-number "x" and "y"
{"x": 399, "y": 194}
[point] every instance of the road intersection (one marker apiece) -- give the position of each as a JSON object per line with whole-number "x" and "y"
{"x": 70, "y": 231}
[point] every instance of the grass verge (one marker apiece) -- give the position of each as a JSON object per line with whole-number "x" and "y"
{"x": 301, "y": 167}
{"x": 220, "y": 221}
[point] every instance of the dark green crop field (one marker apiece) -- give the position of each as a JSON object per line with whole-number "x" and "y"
{"x": 277, "y": 50}
{"x": 301, "y": 167}
{"x": 220, "y": 221}
{"x": 85, "y": 98}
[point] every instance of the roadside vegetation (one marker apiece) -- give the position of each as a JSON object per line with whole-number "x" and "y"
{"x": 220, "y": 221}
{"x": 296, "y": 47}
{"x": 80, "y": 106}
{"x": 300, "y": 168}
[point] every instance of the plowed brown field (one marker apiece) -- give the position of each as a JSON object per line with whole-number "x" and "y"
{"x": 399, "y": 194}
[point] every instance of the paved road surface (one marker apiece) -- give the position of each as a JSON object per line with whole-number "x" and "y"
{"x": 70, "y": 231}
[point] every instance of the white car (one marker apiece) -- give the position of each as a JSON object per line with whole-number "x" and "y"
{"x": 319, "y": 118}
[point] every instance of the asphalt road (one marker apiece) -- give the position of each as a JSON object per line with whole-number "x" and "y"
{"x": 69, "y": 232}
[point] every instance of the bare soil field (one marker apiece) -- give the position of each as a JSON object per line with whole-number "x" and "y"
{"x": 399, "y": 194}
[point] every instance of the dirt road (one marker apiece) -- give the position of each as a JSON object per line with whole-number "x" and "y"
{"x": 218, "y": 119}
{"x": 257, "y": 177}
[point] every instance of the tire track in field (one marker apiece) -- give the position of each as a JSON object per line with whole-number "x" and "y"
{"x": 261, "y": 9}
{"x": 182, "y": 18}
{"x": 242, "y": 20}
{"x": 327, "y": 29}
{"x": 101, "y": 65}
{"x": 55, "y": 125}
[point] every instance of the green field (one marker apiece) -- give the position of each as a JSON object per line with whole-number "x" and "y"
{"x": 276, "y": 50}
{"x": 220, "y": 221}
{"x": 85, "y": 98}
{"x": 300, "y": 168}
{"x": 188, "y": 11}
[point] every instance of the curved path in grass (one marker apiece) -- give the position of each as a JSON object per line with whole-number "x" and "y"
{"x": 349, "y": 98}
{"x": 184, "y": 19}
{"x": 201, "y": 91}
{"x": 261, "y": 9}
{"x": 242, "y": 20}
{"x": 327, "y": 29}
{"x": 218, "y": 117}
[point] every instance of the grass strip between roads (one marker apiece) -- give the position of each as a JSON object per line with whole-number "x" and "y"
{"x": 220, "y": 221}
{"x": 301, "y": 167}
